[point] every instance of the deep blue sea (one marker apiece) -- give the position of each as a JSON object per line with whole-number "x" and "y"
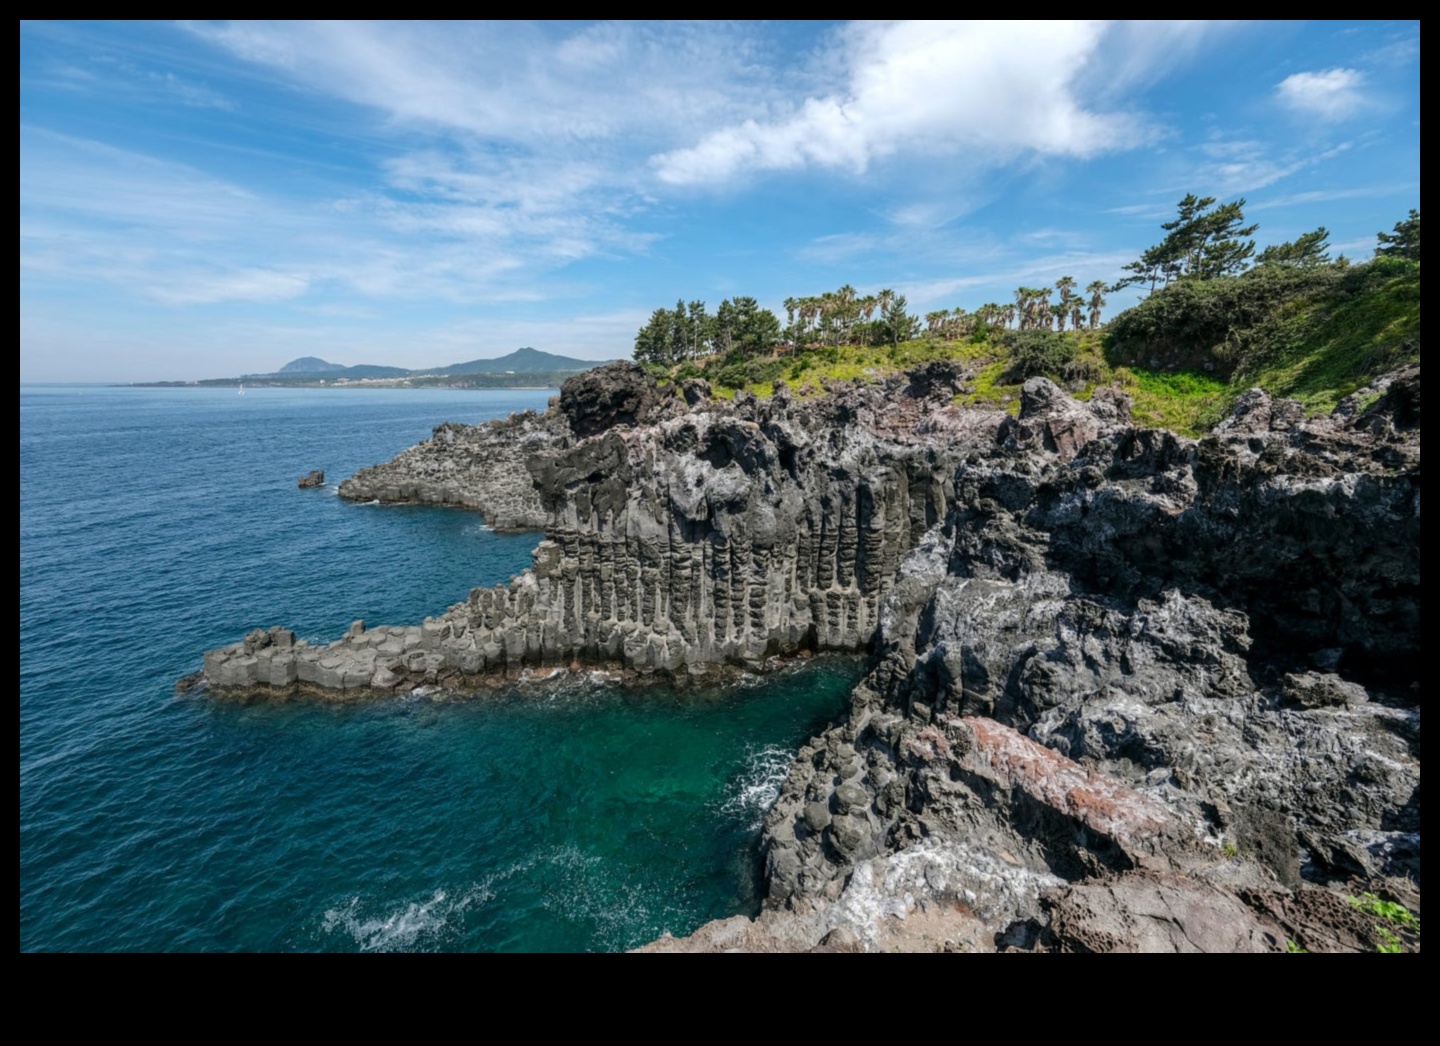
{"x": 155, "y": 523}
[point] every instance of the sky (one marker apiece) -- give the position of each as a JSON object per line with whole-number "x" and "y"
{"x": 211, "y": 199}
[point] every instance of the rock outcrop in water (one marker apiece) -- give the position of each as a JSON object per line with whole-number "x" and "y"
{"x": 1127, "y": 690}
{"x": 678, "y": 540}
{"x": 479, "y": 467}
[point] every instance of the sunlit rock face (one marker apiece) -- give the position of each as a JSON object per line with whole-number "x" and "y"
{"x": 1113, "y": 669}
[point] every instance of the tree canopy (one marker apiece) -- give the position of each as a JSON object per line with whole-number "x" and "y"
{"x": 1404, "y": 242}
{"x": 1313, "y": 248}
{"x": 1204, "y": 241}
{"x": 688, "y": 331}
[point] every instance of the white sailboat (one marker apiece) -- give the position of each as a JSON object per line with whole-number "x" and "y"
{"x": 242, "y": 388}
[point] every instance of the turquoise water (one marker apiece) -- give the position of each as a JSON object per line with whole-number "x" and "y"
{"x": 155, "y": 523}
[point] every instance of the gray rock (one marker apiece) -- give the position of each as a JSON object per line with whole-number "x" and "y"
{"x": 1098, "y": 651}
{"x": 1322, "y": 690}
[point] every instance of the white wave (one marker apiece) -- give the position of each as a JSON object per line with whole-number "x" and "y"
{"x": 408, "y": 927}
{"x": 620, "y": 915}
{"x": 751, "y": 794}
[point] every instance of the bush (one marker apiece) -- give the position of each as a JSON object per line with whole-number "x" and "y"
{"x": 1208, "y": 324}
{"x": 1037, "y": 352}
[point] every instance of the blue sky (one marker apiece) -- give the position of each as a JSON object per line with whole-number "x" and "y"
{"x": 208, "y": 199}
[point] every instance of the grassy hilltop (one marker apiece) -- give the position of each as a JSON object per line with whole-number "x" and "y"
{"x": 1314, "y": 333}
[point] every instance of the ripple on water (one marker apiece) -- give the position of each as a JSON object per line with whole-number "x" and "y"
{"x": 157, "y": 523}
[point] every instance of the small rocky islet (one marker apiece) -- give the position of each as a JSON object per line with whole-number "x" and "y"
{"x": 1125, "y": 690}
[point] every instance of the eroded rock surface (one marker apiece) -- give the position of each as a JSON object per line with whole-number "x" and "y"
{"x": 1229, "y": 627}
{"x": 1128, "y": 691}
{"x": 712, "y": 535}
{"x": 480, "y": 467}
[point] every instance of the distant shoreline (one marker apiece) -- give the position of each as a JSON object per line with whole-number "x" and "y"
{"x": 368, "y": 384}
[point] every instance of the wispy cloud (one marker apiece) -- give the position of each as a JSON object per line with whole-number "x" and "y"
{"x": 1239, "y": 165}
{"x": 1330, "y": 94}
{"x": 429, "y": 192}
{"x": 999, "y": 284}
{"x": 1135, "y": 55}
{"x": 180, "y": 236}
{"x": 196, "y": 96}
{"x": 1327, "y": 195}
{"x": 515, "y": 82}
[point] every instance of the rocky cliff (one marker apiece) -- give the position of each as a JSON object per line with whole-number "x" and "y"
{"x": 1225, "y": 631}
{"x": 479, "y": 467}
{"x": 1127, "y": 690}
{"x": 682, "y": 536}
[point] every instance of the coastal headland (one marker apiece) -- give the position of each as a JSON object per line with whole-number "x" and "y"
{"x": 1127, "y": 690}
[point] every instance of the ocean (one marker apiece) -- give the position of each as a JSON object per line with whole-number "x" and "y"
{"x": 156, "y": 523}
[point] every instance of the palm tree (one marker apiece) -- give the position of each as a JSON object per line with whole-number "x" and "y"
{"x": 808, "y": 308}
{"x": 1042, "y": 307}
{"x": 867, "y": 306}
{"x": 1065, "y": 285}
{"x": 1024, "y": 297}
{"x": 1097, "y": 302}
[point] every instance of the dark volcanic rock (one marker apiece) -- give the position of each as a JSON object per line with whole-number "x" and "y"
{"x": 1150, "y": 607}
{"x": 316, "y": 478}
{"x": 615, "y": 394}
{"x": 1115, "y": 672}
{"x": 720, "y": 535}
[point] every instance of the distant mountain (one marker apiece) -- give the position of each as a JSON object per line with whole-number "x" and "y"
{"x": 522, "y": 361}
{"x": 309, "y": 365}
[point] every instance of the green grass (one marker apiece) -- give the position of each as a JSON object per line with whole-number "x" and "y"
{"x": 1315, "y": 335}
{"x": 993, "y": 388}
{"x": 1187, "y": 402}
{"x": 1320, "y": 351}
{"x": 806, "y": 372}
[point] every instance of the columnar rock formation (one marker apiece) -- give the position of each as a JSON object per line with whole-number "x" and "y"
{"x": 1120, "y": 681}
{"x": 708, "y": 536}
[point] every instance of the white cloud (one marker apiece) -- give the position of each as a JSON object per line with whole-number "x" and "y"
{"x": 989, "y": 91}
{"x": 508, "y": 81}
{"x": 1135, "y": 55}
{"x": 1332, "y": 94}
{"x": 263, "y": 285}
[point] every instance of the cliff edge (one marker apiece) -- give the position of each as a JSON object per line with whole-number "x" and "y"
{"x": 1127, "y": 690}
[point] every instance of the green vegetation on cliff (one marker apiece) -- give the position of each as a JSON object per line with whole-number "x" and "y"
{"x": 1296, "y": 324}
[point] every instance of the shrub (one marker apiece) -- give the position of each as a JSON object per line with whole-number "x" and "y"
{"x": 1036, "y": 352}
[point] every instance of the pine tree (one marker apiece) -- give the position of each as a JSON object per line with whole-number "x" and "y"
{"x": 1404, "y": 242}
{"x": 1303, "y": 252}
{"x": 1204, "y": 242}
